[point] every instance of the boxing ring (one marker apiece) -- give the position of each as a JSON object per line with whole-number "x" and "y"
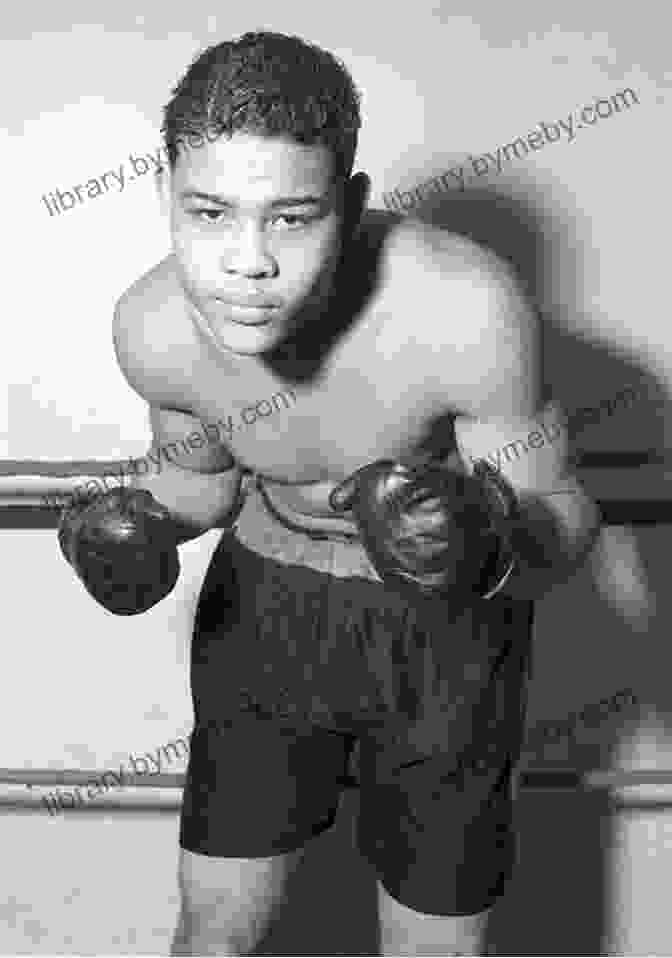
{"x": 632, "y": 489}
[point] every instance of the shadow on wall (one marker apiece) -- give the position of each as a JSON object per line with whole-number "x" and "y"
{"x": 540, "y": 246}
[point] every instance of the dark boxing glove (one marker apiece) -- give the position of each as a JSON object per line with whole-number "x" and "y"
{"x": 433, "y": 530}
{"x": 123, "y": 547}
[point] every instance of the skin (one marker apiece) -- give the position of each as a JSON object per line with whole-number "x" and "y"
{"x": 472, "y": 334}
{"x": 394, "y": 337}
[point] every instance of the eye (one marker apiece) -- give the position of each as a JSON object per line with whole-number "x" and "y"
{"x": 207, "y": 215}
{"x": 293, "y": 220}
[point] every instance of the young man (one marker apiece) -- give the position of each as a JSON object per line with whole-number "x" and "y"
{"x": 368, "y": 606}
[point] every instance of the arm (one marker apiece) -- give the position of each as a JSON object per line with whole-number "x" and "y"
{"x": 201, "y": 487}
{"x": 123, "y": 545}
{"x": 503, "y": 420}
{"x": 426, "y": 525}
{"x": 558, "y": 523}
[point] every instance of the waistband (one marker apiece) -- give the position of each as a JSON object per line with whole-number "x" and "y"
{"x": 325, "y": 544}
{"x": 322, "y": 529}
{"x": 291, "y": 538}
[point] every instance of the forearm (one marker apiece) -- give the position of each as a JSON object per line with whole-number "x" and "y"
{"x": 197, "y": 502}
{"x": 551, "y": 539}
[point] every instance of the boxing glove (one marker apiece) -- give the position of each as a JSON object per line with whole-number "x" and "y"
{"x": 123, "y": 547}
{"x": 431, "y": 530}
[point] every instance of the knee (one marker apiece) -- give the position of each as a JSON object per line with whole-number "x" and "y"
{"x": 204, "y": 931}
{"x": 221, "y": 924}
{"x": 231, "y": 915}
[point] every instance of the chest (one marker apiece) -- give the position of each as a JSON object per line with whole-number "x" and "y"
{"x": 373, "y": 401}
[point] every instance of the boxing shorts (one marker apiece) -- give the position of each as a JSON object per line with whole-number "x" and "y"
{"x": 307, "y": 673}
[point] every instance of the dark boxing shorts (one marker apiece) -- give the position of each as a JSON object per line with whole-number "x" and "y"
{"x": 306, "y": 670}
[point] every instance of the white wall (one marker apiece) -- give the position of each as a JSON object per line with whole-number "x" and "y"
{"x": 441, "y": 82}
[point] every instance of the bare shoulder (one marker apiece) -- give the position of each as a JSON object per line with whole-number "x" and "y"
{"x": 419, "y": 250}
{"x": 153, "y": 340}
{"x": 470, "y": 316}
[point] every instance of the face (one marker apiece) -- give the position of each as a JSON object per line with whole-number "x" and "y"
{"x": 256, "y": 228}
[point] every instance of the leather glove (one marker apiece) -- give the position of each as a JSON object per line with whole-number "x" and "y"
{"x": 123, "y": 547}
{"x": 431, "y": 529}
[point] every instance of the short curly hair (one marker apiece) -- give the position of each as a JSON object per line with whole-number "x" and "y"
{"x": 269, "y": 84}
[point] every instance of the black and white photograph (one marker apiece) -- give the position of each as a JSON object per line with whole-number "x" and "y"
{"x": 336, "y": 480}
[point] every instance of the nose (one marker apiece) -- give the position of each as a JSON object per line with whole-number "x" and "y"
{"x": 248, "y": 255}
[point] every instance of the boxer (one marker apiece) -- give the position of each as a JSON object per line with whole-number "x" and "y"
{"x": 367, "y": 609}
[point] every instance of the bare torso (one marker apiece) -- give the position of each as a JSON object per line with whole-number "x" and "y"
{"x": 371, "y": 397}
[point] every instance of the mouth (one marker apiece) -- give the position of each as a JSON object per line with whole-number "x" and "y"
{"x": 252, "y": 312}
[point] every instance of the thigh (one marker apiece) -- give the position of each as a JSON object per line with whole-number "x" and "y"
{"x": 258, "y": 787}
{"x": 286, "y": 641}
{"x": 442, "y": 843}
{"x": 436, "y": 811}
